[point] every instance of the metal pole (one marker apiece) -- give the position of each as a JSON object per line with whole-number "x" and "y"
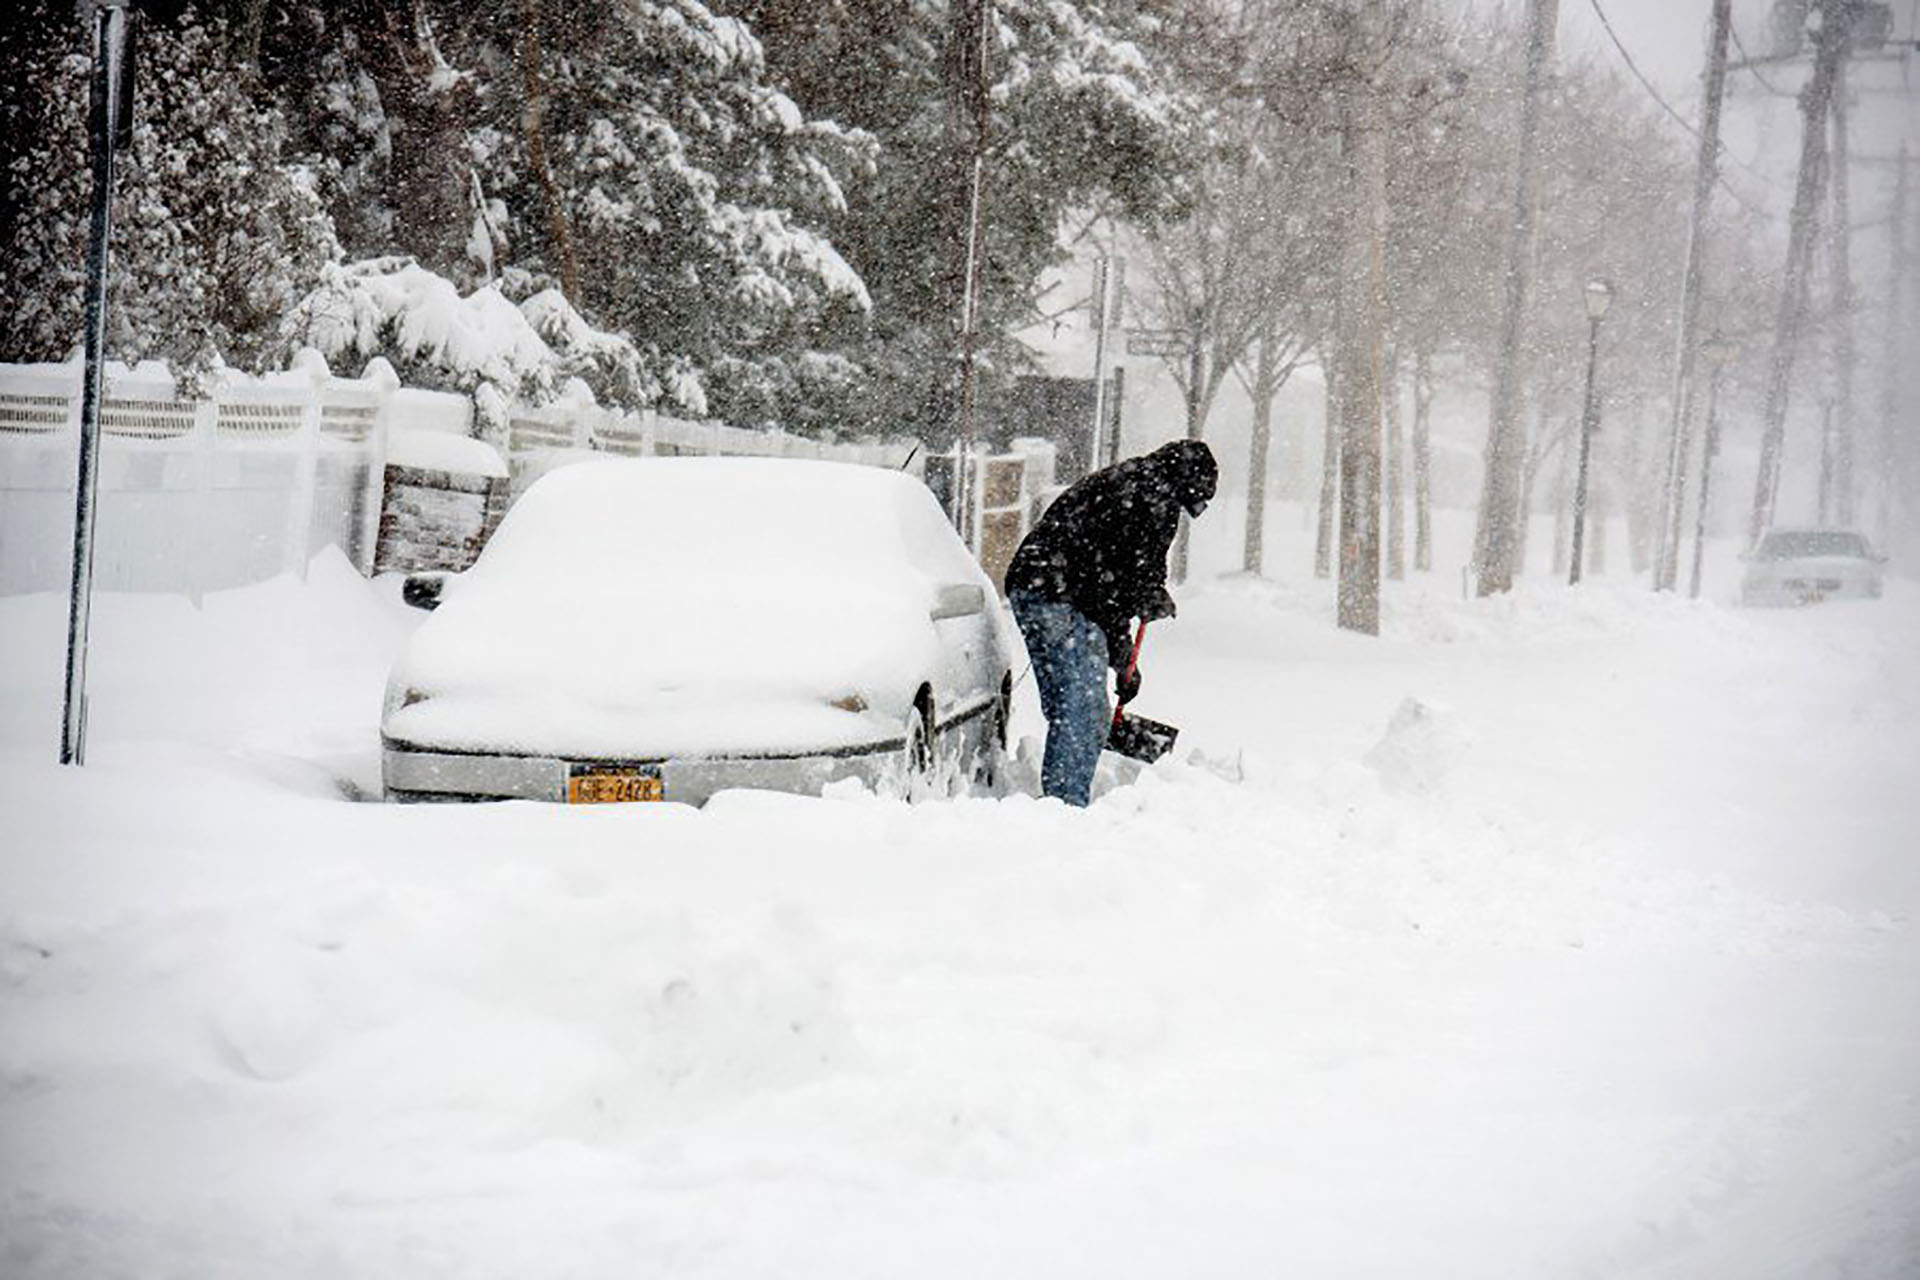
{"x": 1196, "y": 374}
{"x": 1102, "y": 318}
{"x": 970, "y": 312}
{"x": 1706, "y": 169}
{"x": 971, "y": 17}
{"x": 1708, "y": 452}
{"x": 1589, "y": 418}
{"x": 110, "y": 33}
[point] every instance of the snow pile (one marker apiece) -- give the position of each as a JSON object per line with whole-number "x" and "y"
{"x": 1419, "y": 748}
{"x": 1386, "y": 1006}
{"x": 438, "y": 451}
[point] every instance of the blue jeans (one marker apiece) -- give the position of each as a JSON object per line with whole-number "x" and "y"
{"x": 1070, "y": 665}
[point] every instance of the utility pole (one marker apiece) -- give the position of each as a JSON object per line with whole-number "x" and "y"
{"x": 969, "y": 114}
{"x": 1496, "y": 534}
{"x": 1196, "y": 388}
{"x": 1705, "y": 173}
{"x": 1830, "y": 48}
{"x": 1719, "y": 353}
{"x": 109, "y": 127}
{"x": 1840, "y": 246}
{"x": 1102, "y": 305}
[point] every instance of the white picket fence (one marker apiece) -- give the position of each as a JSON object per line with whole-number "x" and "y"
{"x": 194, "y": 494}
{"x": 255, "y": 479}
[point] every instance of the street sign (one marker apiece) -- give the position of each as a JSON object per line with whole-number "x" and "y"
{"x": 1158, "y": 342}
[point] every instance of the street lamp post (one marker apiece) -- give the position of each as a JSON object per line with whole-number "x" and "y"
{"x": 1598, "y": 295}
{"x": 1719, "y": 353}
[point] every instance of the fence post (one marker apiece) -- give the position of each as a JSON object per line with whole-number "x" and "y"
{"x": 384, "y": 381}
{"x": 205, "y": 415}
{"x": 299, "y": 533}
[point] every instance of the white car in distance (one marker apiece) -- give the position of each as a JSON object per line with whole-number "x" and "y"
{"x": 1806, "y": 566}
{"x": 664, "y": 628}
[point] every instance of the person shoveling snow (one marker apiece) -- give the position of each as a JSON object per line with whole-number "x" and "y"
{"x": 1096, "y": 561}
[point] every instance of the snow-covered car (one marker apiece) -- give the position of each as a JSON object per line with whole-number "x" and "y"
{"x": 664, "y": 628}
{"x": 1805, "y": 566}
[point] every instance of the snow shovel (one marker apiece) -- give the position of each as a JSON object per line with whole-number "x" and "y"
{"x": 1137, "y": 737}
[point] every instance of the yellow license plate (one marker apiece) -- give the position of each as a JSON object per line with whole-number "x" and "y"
{"x": 614, "y": 785}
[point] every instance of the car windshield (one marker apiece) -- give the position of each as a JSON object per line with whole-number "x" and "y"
{"x": 1789, "y": 546}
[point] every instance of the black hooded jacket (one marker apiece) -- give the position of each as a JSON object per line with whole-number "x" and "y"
{"x": 1102, "y": 546}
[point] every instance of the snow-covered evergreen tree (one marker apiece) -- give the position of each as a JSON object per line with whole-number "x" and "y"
{"x": 1083, "y": 119}
{"x": 635, "y": 157}
{"x": 216, "y": 236}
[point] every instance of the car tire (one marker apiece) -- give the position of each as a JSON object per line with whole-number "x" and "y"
{"x": 920, "y": 756}
{"x": 991, "y": 762}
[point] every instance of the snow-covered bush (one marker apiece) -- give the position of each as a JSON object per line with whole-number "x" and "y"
{"x": 504, "y": 341}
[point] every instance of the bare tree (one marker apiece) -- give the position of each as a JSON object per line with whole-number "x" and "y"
{"x": 1393, "y": 477}
{"x": 1423, "y": 462}
{"x": 1329, "y": 477}
{"x": 1495, "y": 533}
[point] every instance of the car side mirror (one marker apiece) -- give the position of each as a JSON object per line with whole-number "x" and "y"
{"x": 958, "y": 600}
{"x": 422, "y": 590}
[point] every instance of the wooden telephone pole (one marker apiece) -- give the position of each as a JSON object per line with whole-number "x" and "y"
{"x": 968, "y": 115}
{"x": 1706, "y": 173}
{"x": 1830, "y": 49}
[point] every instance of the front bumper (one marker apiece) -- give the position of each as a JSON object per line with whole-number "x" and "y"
{"x": 412, "y": 773}
{"x": 1810, "y": 589}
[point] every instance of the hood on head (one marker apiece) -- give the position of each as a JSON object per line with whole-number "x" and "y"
{"x": 1191, "y": 472}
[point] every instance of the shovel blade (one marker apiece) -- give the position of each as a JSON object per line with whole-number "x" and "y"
{"x": 1139, "y": 738}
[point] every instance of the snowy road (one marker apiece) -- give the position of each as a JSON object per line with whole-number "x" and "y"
{"x": 1606, "y": 967}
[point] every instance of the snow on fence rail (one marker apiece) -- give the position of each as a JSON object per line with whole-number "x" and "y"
{"x": 573, "y": 427}
{"x": 195, "y": 494}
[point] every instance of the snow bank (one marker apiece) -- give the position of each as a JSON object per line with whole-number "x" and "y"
{"x": 1314, "y": 1022}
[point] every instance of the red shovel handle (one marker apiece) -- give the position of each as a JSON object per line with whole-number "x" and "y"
{"x": 1133, "y": 665}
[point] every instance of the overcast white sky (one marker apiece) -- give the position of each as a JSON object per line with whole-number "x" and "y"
{"x": 1668, "y": 38}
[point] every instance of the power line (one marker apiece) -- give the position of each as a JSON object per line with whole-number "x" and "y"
{"x": 1634, "y": 67}
{"x": 1749, "y": 65}
{"x": 1682, "y": 121}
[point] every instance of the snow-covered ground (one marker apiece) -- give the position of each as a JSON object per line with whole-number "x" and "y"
{"x": 1569, "y": 935}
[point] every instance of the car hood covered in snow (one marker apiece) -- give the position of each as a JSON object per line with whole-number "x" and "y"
{"x": 684, "y": 605}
